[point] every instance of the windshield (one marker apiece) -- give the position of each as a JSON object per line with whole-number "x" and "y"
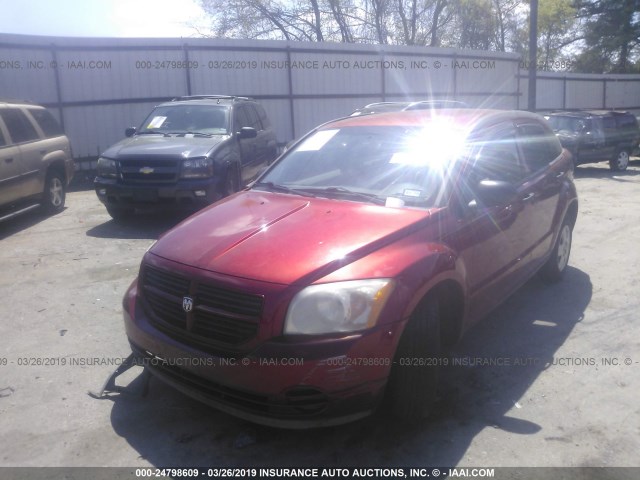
{"x": 394, "y": 166}
{"x": 197, "y": 119}
{"x": 571, "y": 124}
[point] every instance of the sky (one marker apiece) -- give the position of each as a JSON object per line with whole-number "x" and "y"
{"x": 101, "y": 18}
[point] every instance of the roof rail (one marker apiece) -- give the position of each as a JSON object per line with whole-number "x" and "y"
{"x": 377, "y": 104}
{"x": 210, "y": 97}
{"x": 17, "y": 100}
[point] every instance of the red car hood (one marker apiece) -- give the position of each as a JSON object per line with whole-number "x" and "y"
{"x": 283, "y": 238}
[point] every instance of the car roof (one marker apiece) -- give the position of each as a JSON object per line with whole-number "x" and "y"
{"x": 461, "y": 118}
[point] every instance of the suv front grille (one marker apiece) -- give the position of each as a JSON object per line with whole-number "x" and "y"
{"x": 151, "y": 170}
{"x": 219, "y": 317}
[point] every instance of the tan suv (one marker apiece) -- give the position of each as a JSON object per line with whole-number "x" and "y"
{"x": 35, "y": 159}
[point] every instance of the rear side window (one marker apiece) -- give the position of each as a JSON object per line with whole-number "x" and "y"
{"x": 627, "y": 121}
{"x": 18, "y": 124}
{"x": 47, "y": 123}
{"x": 539, "y": 147}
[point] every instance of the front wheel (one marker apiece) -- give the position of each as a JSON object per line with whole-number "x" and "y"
{"x": 230, "y": 184}
{"x": 620, "y": 162}
{"x": 120, "y": 214}
{"x": 554, "y": 269}
{"x": 412, "y": 385}
{"x": 54, "y": 193}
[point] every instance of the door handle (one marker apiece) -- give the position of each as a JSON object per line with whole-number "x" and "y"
{"x": 529, "y": 197}
{"x": 8, "y": 160}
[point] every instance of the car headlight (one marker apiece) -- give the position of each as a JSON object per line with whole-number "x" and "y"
{"x": 338, "y": 307}
{"x": 107, "y": 168}
{"x": 197, "y": 168}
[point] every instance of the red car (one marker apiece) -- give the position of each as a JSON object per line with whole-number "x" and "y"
{"x": 331, "y": 286}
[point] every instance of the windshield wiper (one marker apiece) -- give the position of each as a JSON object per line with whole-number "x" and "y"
{"x": 345, "y": 192}
{"x": 152, "y": 132}
{"x": 275, "y": 187}
{"x": 191, "y": 133}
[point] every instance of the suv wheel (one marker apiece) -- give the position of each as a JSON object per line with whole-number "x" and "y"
{"x": 412, "y": 385}
{"x": 554, "y": 269}
{"x": 54, "y": 193}
{"x": 620, "y": 162}
{"x": 120, "y": 214}
{"x": 230, "y": 184}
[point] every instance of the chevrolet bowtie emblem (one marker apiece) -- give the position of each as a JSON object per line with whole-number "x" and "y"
{"x": 146, "y": 170}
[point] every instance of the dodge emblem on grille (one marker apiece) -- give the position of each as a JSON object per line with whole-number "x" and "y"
{"x": 146, "y": 170}
{"x": 187, "y": 304}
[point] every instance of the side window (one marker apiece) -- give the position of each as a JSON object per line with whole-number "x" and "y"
{"x": 539, "y": 147}
{"x": 19, "y": 126}
{"x": 47, "y": 122}
{"x": 609, "y": 123}
{"x": 3, "y": 142}
{"x": 252, "y": 117}
{"x": 263, "y": 116}
{"x": 240, "y": 120}
{"x": 497, "y": 159}
{"x": 626, "y": 121}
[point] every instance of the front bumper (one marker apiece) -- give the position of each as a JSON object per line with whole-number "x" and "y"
{"x": 277, "y": 383}
{"x": 181, "y": 195}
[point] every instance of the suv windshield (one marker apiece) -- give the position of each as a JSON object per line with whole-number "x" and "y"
{"x": 570, "y": 124}
{"x": 199, "y": 119}
{"x": 396, "y": 166}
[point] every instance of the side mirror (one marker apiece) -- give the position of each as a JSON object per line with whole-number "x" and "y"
{"x": 130, "y": 131}
{"x": 289, "y": 144}
{"x": 248, "y": 132}
{"x": 495, "y": 192}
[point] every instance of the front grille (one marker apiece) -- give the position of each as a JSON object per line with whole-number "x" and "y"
{"x": 163, "y": 170}
{"x": 298, "y": 402}
{"x": 306, "y": 400}
{"x": 219, "y": 316}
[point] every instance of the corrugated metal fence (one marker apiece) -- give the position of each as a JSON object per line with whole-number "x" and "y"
{"x": 100, "y": 86}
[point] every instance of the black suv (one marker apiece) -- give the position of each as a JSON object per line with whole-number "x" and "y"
{"x": 188, "y": 153}
{"x": 595, "y": 136}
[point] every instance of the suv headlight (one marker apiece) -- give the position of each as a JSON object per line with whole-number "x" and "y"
{"x": 197, "y": 168}
{"x": 338, "y": 307}
{"x": 107, "y": 168}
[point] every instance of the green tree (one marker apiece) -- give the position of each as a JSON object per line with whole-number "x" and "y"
{"x": 557, "y": 28}
{"x": 558, "y": 33}
{"x": 611, "y": 35}
{"x": 476, "y": 24}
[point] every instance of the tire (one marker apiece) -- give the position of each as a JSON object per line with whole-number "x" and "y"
{"x": 554, "y": 269}
{"x": 620, "y": 162}
{"x": 230, "y": 184}
{"x": 120, "y": 214}
{"x": 54, "y": 194}
{"x": 412, "y": 386}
